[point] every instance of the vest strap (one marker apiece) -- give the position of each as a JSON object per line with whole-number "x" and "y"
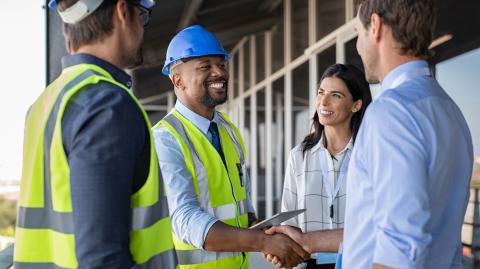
{"x": 43, "y": 218}
{"x": 165, "y": 259}
{"x": 28, "y": 265}
{"x": 228, "y": 211}
{"x": 143, "y": 217}
{"x": 199, "y": 256}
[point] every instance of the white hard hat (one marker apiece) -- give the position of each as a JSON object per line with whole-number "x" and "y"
{"x": 83, "y": 8}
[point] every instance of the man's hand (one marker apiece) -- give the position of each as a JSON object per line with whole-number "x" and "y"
{"x": 286, "y": 252}
{"x": 294, "y": 233}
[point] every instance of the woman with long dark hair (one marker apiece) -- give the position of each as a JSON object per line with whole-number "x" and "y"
{"x": 316, "y": 171}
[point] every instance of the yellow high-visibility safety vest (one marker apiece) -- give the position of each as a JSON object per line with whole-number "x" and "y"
{"x": 44, "y": 236}
{"x": 219, "y": 187}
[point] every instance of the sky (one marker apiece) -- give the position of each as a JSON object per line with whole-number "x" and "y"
{"x": 22, "y": 72}
{"x": 459, "y": 77}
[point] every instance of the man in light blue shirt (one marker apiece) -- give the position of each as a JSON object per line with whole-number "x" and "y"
{"x": 409, "y": 176}
{"x": 208, "y": 232}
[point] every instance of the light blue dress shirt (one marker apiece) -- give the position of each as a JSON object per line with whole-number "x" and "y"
{"x": 409, "y": 177}
{"x": 190, "y": 222}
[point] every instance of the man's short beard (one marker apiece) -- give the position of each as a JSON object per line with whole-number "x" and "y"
{"x": 136, "y": 60}
{"x": 210, "y": 102}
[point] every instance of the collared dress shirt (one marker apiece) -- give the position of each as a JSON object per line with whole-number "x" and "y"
{"x": 409, "y": 176}
{"x": 310, "y": 181}
{"x": 307, "y": 180}
{"x": 190, "y": 222}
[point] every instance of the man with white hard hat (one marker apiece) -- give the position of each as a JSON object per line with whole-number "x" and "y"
{"x": 91, "y": 194}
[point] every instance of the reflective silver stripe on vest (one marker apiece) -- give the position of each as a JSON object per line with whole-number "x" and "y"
{"x": 43, "y": 218}
{"x": 143, "y": 217}
{"x": 242, "y": 206}
{"x": 233, "y": 135}
{"x": 226, "y": 212}
{"x": 167, "y": 260}
{"x": 199, "y": 256}
{"x": 197, "y": 163}
{"x": 37, "y": 265}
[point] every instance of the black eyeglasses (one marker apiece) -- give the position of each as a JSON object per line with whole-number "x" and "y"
{"x": 144, "y": 14}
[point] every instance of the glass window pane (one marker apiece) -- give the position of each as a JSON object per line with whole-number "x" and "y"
{"x": 235, "y": 63}
{"x": 260, "y": 57}
{"x": 325, "y": 59}
{"x": 278, "y": 139}
{"x": 245, "y": 129}
{"x": 246, "y": 65}
{"x": 300, "y": 103}
{"x": 351, "y": 54}
{"x": 299, "y": 27}
{"x": 330, "y": 16}
{"x": 278, "y": 42}
{"x": 261, "y": 152}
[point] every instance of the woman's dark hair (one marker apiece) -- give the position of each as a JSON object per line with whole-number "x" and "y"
{"x": 357, "y": 85}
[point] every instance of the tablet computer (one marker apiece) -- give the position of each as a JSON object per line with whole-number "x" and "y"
{"x": 277, "y": 219}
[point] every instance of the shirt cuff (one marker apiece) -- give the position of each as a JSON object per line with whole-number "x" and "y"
{"x": 250, "y": 208}
{"x": 394, "y": 251}
{"x": 207, "y": 228}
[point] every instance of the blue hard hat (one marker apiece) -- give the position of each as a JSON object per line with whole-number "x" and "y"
{"x": 193, "y": 41}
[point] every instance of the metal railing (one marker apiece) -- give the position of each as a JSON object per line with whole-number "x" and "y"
{"x": 473, "y": 260}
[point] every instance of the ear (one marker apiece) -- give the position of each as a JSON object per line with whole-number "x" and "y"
{"x": 376, "y": 25}
{"x": 121, "y": 13}
{"x": 357, "y": 105}
{"x": 177, "y": 82}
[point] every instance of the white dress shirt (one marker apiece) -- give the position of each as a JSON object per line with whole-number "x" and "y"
{"x": 316, "y": 181}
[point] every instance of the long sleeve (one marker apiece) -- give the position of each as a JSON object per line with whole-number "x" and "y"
{"x": 289, "y": 195}
{"x": 104, "y": 136}
{"x": 398, "y": 168}
{"x": 189, "y": 222}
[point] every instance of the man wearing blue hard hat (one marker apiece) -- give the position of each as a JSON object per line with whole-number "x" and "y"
{"x": 91, "y": 194}
{"x": 202, "y": 158}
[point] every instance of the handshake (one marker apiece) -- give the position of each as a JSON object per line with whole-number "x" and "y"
{"x": 285, "y": 246}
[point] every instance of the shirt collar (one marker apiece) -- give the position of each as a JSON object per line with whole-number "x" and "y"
{"x": 321, "y": 144}
{"x": 199, "y": 121}
{"x": 82, "y": 58}
{"x": 408, "y": 67}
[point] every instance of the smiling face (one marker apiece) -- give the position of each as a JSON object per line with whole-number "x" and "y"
{"x": 202, "y": 81}
{"x": 335, "y": 105}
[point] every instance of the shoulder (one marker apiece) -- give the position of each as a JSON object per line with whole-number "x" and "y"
{"x": 166, "y": 143}
{"x": 297, "y": 150}
{"x": 161, "y": 133}
{"x": 104, "y": 94}
{"x": 296, "y": 157}
{"x": 106, "y": 109}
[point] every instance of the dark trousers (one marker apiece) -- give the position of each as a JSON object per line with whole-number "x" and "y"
{"x": 311, "y": 264}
